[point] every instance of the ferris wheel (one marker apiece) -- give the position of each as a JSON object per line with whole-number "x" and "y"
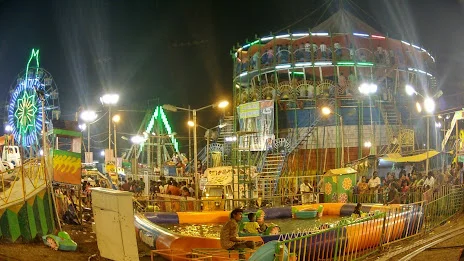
{"x": 33, "y": 87}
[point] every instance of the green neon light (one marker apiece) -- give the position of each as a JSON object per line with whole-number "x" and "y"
{"x": 34, "y": 54}
{"x": 345, "y": 63}
{"x": 365, "y": 64}
{"x": 25, "y": 113}
{"x": 255, "y": 42}
{"x": 298, "y": 73}
{"x": 159, "y": 112}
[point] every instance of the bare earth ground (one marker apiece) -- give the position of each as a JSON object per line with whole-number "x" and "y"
{"x": 84, "y": 237}
{"x": 449, "y": 250}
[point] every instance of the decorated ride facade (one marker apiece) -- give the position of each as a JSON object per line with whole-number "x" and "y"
{"x": 283, "y": 83}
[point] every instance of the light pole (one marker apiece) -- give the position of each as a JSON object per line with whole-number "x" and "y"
{"x": 429, "y": 107}
{"x": 136, "y": 140}
{"x": 88, "y": 116}
{"x": 327, "y": 111}
{"x": 173, "y": 108}
{"x": 116, "y": 118}
{"x": 109, "y": 100}
{"x": 369, "y": 89}
{"x": 207, "y": 136}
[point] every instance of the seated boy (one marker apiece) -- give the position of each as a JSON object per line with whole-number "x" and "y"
{"x": 252, "y": 227}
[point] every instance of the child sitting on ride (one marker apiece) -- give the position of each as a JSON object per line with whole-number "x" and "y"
{"x": 357, "y": 211}
{"x": 252, "y": 227}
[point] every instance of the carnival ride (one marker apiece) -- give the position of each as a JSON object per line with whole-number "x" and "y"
{"x": 341, "y": 63}
{"x": 25, "y": 200}
{"x": 33, "y": 104}
{"x": 370, "y": 229}
{"x": 160, "y": 143}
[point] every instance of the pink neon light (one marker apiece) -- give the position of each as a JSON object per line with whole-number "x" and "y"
{"x": 378, "y": 36}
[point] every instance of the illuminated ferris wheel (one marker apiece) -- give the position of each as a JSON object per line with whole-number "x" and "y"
{"x": 33, "y": 87}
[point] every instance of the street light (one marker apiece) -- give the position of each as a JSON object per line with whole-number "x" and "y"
{"x": 82, "y": 126}
{"x": 429, "y": 107}
{"x": 327, "y": 111}
{"x": 109, "y": 100}
{"x": 116, "y": 118}
{"x": 369, "y": 89}
{"x": 88, "y": 116}
{"x": 169, "y": 107}
{"x": 207, "y": 135}
{"x": 8, "y": 128}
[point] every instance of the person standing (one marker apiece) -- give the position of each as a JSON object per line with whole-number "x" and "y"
{"x": 306, "y": 192}
{"x": 374, "y": 185}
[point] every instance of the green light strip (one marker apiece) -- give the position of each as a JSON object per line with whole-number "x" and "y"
{"x": 345, "y": 63}
{"x": 298, "y": 73}
{"x": 160, "y": 112}
{"x": 365, "y": 64}
{"x": 34, "y": 54}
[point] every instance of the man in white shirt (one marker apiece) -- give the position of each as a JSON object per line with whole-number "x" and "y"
{"x": 430, "y": 180}
{"x": 306, "y": 195}
{"x": 323, "y": 49}
{"x": 374, "y": 184}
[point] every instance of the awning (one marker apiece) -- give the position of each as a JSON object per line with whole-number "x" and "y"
{"x": 340, "y": 171}
{"x": 396, "y": 157}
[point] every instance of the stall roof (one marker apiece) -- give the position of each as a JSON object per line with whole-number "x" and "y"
{"x": 340, "y": 171}
{"x": 396, "y": 157}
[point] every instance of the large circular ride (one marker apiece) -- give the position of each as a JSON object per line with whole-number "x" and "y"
{"x": 33, "y": 99}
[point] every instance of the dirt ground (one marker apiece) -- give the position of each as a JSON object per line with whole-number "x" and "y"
{"x": 84, "y": 237}
{"x": 449, "y": 250}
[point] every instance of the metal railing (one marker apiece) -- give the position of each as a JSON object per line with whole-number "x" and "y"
{"x": 367, "y": 236}
{"x": 18, "y": 183}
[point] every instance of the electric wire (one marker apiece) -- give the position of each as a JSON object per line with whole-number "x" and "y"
{"x": 305, "y": 16}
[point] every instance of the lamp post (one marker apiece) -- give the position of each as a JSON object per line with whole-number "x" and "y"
{"x": 88, "y": 116}
{"x": 369, "y": 89}
{"x": 136, "y": 140}
{"x": 327, "y": 111}
{"x": 109, "y": 100}
{"x": 173, "y": 108}
{"x": 429, "y": 107}
{"x": 116, "y": 118}
{"x": 207, "y": 135}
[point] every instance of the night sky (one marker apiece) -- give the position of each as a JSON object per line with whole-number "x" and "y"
{"x": 178, "y": 51}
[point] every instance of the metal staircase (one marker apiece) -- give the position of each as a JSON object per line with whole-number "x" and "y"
{"x": 392, "y": 121}
{"x": 272, "y": 164}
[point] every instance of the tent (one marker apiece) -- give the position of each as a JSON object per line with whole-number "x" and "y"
{"x": 397, "y": 158}
{"x": 338, "y": 184}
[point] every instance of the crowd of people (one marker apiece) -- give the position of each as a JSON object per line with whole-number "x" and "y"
{"x": 161, "y": 186}
{"x": 403, "y": 187}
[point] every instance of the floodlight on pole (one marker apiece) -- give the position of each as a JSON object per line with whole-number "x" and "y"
{"x": 418, "y": 107}
{"x": 410, "y": 90}
{"x": 223, "y": 104}
{"x": 8, "y": 128}
{"x": 326, "y": 110}
{"x": 137, "y": 139}
{"x": 190, "y": 123}
{"x": 367, "y": 144}
{"x": 88, "y": 116}
{"x": 429, "y": 105}
{"x": 82, "y": 126}
{"x": 109, "y": 99}
{"x": 367, "y": 88}
{"x": 438, "y": 124}
{"x": 116, "y": 118}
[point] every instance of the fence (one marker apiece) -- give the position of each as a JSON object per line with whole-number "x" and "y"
{"x": 17, "y": 184}
{"x": 367, "y": 236}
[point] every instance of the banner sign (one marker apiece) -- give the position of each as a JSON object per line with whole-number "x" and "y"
{"x": 256, "y": 118}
